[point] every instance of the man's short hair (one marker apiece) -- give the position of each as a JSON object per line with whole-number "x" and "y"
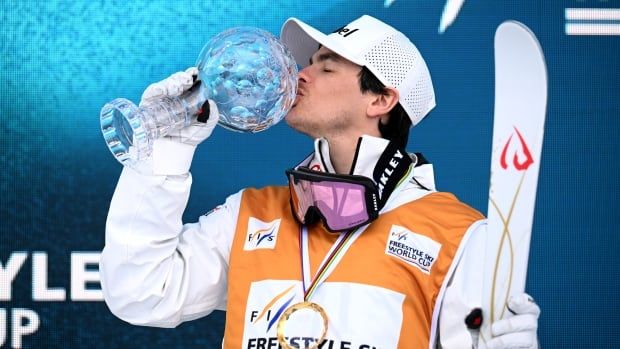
{"x": 399, "y": 123}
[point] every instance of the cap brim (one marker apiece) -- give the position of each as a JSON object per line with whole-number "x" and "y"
{"x": 303, "y": 41}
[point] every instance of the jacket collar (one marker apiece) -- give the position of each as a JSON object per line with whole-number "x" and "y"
{"x": 368, "y": 153}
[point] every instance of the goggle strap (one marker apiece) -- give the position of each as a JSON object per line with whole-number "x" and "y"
{"x": 391, "y": 167}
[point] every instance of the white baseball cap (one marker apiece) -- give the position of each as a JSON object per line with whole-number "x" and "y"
{"x": 368, "y": 42}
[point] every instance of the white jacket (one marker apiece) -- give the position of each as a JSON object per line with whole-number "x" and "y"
{"x": 157, "y": 271}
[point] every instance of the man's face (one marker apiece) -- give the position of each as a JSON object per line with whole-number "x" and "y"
{"x": 329, "y": 101}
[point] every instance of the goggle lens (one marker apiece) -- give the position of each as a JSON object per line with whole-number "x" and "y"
{"x": 342, "y": 205}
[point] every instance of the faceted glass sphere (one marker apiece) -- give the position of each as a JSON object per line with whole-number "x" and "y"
{"x": 250, "y": 75}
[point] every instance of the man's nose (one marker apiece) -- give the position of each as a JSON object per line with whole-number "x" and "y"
{"x": 304, "y": 75}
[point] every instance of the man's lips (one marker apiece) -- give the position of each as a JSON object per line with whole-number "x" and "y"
{"x": 299, "y": 95}
{"x": 300, "y": 90}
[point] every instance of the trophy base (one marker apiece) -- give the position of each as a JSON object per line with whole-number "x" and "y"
{"x": 124, "y": 131}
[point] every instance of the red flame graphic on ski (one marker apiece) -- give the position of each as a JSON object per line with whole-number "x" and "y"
{"x": 518, "y": 165}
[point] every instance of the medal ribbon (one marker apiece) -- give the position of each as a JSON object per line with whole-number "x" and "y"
{"x": 329, "y": 263}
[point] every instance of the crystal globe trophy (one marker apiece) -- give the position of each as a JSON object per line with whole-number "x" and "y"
{"x": 247, "y": 72}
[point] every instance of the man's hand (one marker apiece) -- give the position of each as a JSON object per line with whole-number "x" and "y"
{"x": 518, "y": 331}
{"x": 174, "y": 86}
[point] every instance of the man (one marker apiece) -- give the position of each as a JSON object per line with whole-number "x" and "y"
{"x": 360, "y": 251}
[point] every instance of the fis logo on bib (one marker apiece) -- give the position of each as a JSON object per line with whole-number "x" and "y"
{"x": 399, "y": 235}
{"x": 415, "y": 249}
{"x": 272, "y": 311}
{"x": 261, "y": 234}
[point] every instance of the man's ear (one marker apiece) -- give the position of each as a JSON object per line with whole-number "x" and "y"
{"x": 381, "y": 104}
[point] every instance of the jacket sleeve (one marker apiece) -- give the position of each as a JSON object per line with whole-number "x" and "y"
{"x": 155, "y": 270}
{"x": 463, "y": 293}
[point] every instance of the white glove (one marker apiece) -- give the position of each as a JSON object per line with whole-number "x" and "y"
{"x": 174, "y": 86}
{"x": 518, "y": 331}
{"x": 172, "y": 154}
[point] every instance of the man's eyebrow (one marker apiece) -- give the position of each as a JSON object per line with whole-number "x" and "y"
{"x": 328, "y": 55}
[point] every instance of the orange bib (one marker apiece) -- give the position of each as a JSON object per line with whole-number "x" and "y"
{"x": 381, "y": 294}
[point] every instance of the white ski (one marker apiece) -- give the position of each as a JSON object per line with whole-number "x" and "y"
{"x": 520, "y": 108}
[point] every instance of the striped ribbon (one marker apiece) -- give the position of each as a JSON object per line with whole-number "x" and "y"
{"x": 329, "y": 263}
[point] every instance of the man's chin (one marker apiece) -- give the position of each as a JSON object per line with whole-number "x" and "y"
{"x": 296, "y": 123}
{"x": 292, "y": 121}
{"x": 292, "y": 118}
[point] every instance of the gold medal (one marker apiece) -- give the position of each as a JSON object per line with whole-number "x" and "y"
{"x": 304, "y": 325}
{"x": 302, "y": 315}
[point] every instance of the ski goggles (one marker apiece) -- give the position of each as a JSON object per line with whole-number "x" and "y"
{"x": 342, "y": 202}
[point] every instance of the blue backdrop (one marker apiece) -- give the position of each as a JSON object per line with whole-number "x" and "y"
{"x": 62, "y": 60}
